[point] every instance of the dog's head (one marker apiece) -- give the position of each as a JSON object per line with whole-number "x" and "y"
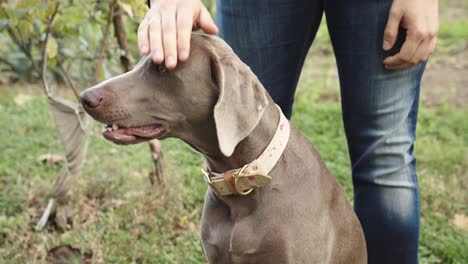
{"x": 149, "y": 102}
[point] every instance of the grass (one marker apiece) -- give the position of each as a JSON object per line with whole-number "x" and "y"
{"x": 453, "y": 35}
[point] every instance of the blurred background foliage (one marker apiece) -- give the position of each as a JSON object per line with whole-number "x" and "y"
{"x": 84, "y": 39}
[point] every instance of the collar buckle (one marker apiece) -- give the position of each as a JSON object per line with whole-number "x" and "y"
{"x": 209, "y": 181}
{"x": 236, "y": 177}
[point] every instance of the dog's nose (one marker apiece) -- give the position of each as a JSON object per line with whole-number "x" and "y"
{"x": 91, "y": 99}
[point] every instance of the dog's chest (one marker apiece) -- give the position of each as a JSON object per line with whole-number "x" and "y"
{"x": 234, "y": 241}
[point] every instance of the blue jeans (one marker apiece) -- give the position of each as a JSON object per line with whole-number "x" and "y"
{"x": 379, "y": 106}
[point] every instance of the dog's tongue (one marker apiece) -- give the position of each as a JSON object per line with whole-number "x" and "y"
{"x": 132, "y": 135}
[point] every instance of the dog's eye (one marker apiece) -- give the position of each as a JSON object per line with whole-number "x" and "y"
{"x": 161, "y": 68}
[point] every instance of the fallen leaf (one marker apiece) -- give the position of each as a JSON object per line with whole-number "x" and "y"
{"x": 137, "y": 233}
{"x": 184, "y": 221}
{"x": 32, "y": 199}
{"x": 461, "y": 221}
{"x": 89, "y": 212}
{"x": 64, "y": 254}
{"x": 21, "y": 99}
{"x": 50, "y": 159}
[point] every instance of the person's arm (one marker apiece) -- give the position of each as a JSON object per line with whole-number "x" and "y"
{"x": 420, "y": 19}
{"x": 167, "y": 27}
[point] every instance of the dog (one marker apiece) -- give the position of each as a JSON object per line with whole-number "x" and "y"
{"x": 270, "y": 198}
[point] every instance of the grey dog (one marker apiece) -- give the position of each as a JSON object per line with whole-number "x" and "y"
{"x": 214, "y": 103}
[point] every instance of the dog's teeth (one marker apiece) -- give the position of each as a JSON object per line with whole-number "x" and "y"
{"x": 114, "y": 127}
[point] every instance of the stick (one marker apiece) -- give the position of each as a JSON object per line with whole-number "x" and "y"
{"x": 69, "y": 80}
{"x": 157, "y": 157}
{"x": 121, "y": 36}
{"x": 44, "y": 50}
{"x": 102, "y": 50}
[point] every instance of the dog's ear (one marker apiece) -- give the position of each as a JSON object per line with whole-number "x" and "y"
{"x": 241, "y": 102}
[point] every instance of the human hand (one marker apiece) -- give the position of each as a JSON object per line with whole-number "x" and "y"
{"x": 420, "y": 19}
{"x": 167, "y": 27}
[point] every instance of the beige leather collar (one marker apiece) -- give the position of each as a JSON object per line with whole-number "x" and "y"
{"x": 253, "y": 175}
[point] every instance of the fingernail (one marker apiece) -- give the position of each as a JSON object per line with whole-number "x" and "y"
{"x": 386, "y": 45}
{"x": 171, "y": 61}
{"x": 144, "y": 50}
{"x": 184, "y": 54}
{"x": 158, "y": 56}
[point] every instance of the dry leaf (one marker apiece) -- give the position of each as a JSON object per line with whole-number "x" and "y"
{"x": 21, "y": 99}
{"x": 24, "y": 130}
{"x": 50, "y": 159}
{"x": 461, "y": 221}
{"x": 67, "y": 254}
{"x": 137, "y": 233}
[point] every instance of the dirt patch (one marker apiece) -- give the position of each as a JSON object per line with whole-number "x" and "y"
{"x": 461, "y": 221}
{"x": 453, "y": 9}
{"x": 445, "y": 82}
{"x": 445, "y": 79}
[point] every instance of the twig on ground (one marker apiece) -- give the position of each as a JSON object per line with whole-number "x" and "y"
{"x": 157, "y": 157}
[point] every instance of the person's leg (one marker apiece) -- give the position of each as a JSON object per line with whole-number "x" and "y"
{"x": 379, "y": 113}
{"x": 272, "y": 37}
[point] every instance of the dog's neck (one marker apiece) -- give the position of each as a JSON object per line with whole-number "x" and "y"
{"x": 248, "y": 149}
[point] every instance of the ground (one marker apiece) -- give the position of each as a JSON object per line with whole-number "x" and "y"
{"x": 119, "y": 218}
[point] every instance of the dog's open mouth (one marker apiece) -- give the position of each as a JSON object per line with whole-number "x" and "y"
{"x": 132, "y": 135}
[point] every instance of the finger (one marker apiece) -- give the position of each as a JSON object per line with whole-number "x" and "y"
{"x": 391, "y": 29}
{"x": 143, "y": 40}
{"x": 156, "y": 39}
{"x": 206, "y": 23}
{"x": 169, "y": 38}
{"x": 422, "y": 53}
{"x": 398, "y": 67}
{"x": 432, "y": 46}
{"x": 184, "y": 32}
{"x": 405, "y": 54}
{"x": 432, "y": 34}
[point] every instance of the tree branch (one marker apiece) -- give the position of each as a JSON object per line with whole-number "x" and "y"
{"x": 119, "y": 31}
{"x": 69, "y": 80}
{"x": 44, "y": 50}
{"x": 102, "y": 50}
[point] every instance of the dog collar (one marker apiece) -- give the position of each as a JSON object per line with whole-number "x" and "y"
{"x": 243, "y": 181}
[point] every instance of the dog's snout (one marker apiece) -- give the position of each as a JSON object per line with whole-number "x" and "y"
{"x": 91, "y": 99}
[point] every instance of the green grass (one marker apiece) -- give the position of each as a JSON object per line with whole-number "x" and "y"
{"x": 119, "y": 218}
{"x": 453, "y": 35}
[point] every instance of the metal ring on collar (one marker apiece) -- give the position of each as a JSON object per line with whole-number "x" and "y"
{"x": 236, "y": 185}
